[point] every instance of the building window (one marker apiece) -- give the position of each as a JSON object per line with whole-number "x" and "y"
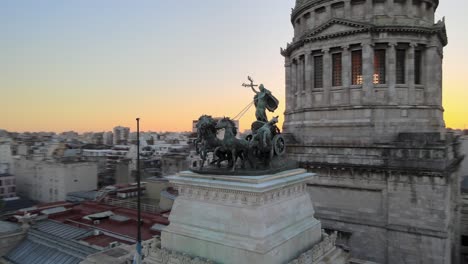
{"x": 417, "y": 67}
{"x": 318, "y": 71}
{"x": 337, "y": 69}
{"x": 400, "y": 66}
{"x": 356, "y": 67}
{"x": 464, "y": 241}
{"x": 379, "y": 67}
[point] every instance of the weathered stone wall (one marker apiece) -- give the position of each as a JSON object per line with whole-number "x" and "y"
{"x": 392, "y": 217}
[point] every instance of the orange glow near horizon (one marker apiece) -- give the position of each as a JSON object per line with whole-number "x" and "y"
{"x": 93, "y": 65}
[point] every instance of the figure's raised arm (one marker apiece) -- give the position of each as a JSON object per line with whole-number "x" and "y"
{"x": 253, "y": 89}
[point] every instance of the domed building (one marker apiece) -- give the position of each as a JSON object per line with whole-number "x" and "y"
{"x": 368, "y": 68}
{"x": 364, "y": 111}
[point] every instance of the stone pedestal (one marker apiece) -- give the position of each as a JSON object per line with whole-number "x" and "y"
{"x": 244, "y": 219}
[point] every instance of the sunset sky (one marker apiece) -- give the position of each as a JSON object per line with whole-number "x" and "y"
{"x": 91, "y": 65}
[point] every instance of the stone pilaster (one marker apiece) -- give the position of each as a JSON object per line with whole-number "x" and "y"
{"x": 389, "y": 7}
{"x": 302, "y": 73}
{"x": 433, "y": 76}
{"x": 369, "y": 9}
{"x": 327, "y": 76}
{"x": 409, "y": 8}
{"x": 410, "y": 74}
{"x": 293, "y": 84}
{"x": 346, "y": 74}
{"x": 287, "y": 80}
{"x": 300, "y": 82}
{"x": 328, "y": 12}
{"x": 391, "y": 72}
{"x": 308, "y": 71}
{"x": 367, "y": 72}
{"x": 347, "y": 8}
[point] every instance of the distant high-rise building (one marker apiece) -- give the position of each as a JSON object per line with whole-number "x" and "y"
{"x": 50, "y": 181}
{"x": 121, "y": 135}
{"x": 108, "y": 138}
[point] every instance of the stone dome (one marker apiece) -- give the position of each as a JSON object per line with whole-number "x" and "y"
{"x": 353, "y": 60}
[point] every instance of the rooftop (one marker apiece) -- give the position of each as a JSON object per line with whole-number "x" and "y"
{"x": 8, "y": 228}
{"x": 51, "y": 242}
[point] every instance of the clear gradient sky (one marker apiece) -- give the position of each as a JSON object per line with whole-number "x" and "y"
{"x": 91, "y": 65}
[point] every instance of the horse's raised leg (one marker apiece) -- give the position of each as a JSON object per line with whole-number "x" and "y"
{"x": 203, "y": 156}
{"x": 242, "y": 157}
{"x": 234, "y": 159}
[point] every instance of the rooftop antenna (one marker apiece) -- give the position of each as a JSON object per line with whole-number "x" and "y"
{"x": 138, "y": 256}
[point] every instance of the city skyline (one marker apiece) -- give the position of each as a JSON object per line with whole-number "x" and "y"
{"x": 90, "y": 66}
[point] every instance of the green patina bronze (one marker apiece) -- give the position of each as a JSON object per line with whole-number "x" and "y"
{"x": 260, "y": 148}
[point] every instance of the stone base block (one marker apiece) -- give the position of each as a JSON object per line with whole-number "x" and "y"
{"x": 242, "y": 219}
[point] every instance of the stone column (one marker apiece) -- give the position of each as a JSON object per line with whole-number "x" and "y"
{"x": 422, "y": 10}
{"x": 347, "y": 9}
{"x": 300, "y": 81}
{"x": 287, "y": 80}
{"x": 328, "y": 12}
{"x": 327, "y": 76}
{"x": 410, "y": 74}
{"x": 409, "y": 8}
{"x": 293, "y": 89}
{"x": 369, "y": 9}
{"x": 433, "y": 76}
{"x": 389, "y": 7}
{"x": 367, "y": 72}
{"x": 391, "y": 73}
{"x": 346, "y": 74}
{"x": 308, "y": 71}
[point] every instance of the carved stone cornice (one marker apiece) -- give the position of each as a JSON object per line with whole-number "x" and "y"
{"x": 226, "y": 196}
{"x": 314, "y": 34}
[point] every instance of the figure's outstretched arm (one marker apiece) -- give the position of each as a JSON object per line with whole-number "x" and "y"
{"x": 253, "y": 89}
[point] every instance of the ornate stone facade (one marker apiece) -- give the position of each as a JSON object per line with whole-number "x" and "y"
{"x": 364, "y": 111}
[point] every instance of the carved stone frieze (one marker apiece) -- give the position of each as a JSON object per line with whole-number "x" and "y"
{"x": 237, "y": 196}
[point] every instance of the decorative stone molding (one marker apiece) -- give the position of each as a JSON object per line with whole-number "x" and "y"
{"x": 318, "y": 251}
{"x": 357, "y": 28}
{"x": 154, "y": 254}
{"x": 238, "y": 197}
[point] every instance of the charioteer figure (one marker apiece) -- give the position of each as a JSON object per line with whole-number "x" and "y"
{"x": 263, "y": 100}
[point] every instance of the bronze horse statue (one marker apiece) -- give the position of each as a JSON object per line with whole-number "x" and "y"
{"x": 208, "y": 142}
{"x": 238, "y": 148}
